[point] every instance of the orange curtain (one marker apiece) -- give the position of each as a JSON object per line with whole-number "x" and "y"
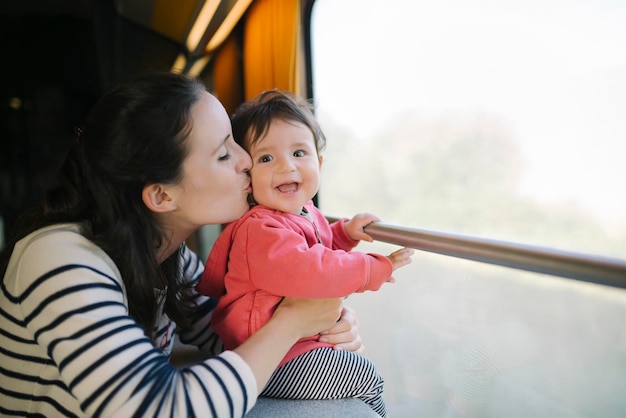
{"x": 271, "y": 56}
{"x": 227, "y": 74}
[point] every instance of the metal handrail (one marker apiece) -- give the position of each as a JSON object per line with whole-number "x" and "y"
{"x": 585, "y": 267}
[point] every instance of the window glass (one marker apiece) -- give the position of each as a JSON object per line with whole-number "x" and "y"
{"x": 501, "y": 119}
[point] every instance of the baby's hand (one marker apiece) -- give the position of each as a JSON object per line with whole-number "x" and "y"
{"x": 401, "y": 257}
{"x": 354, "y": 227}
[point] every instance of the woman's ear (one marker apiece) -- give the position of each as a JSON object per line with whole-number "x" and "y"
{"x": 157, "y": 199}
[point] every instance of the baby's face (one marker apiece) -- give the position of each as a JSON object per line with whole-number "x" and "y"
{"x": 285, "y": 167}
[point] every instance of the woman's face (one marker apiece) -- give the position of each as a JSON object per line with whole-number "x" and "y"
{"x": 215, "y": 180}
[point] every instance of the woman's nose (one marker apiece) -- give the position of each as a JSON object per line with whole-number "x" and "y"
{"x": 244, "y": 162}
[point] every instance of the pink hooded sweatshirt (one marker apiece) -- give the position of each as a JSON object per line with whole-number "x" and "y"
{"x": 267, "y": 255}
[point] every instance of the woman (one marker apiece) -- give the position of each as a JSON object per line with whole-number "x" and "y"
{"x": 97, "y": 280}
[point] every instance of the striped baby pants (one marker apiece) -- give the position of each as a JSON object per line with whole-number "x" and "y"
{"x": 325, "y": 373}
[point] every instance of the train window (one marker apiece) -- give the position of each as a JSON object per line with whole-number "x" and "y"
{"x": 500, "y": 119}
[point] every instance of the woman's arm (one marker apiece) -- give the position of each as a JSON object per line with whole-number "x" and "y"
{"x": 344, "y": 334}
{"x": 292, "y": 320}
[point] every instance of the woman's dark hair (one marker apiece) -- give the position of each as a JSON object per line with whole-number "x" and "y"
{"x": 253, "y": 118}
{"x": 134, "y": 136}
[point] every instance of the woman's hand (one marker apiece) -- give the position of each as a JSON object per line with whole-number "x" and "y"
{"x": 344, "y": 334}
{"x": 309, "y": 316}
{"x": 292, "y": 320}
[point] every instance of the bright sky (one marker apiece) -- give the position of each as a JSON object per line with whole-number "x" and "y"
{"x": 556, "y": 69}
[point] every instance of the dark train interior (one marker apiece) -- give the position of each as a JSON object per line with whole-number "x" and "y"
{"x": 59, "y": 56}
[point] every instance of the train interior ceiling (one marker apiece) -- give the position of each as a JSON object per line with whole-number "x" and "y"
{"x": 60, "y": 55}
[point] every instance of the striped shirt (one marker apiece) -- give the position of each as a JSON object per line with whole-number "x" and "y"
{"x": 68, "y": 346}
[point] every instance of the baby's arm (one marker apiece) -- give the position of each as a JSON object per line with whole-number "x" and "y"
{"x": 355, "y": 229}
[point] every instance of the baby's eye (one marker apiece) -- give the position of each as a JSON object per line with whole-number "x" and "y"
{"x": 265, "y": 159}
{"x": 299, "y": 153}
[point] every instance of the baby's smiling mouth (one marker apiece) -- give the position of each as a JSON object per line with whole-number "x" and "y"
{"x": 288, "y": 187}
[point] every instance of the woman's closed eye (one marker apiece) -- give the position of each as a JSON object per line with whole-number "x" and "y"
{"x": 223, "y": 153}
